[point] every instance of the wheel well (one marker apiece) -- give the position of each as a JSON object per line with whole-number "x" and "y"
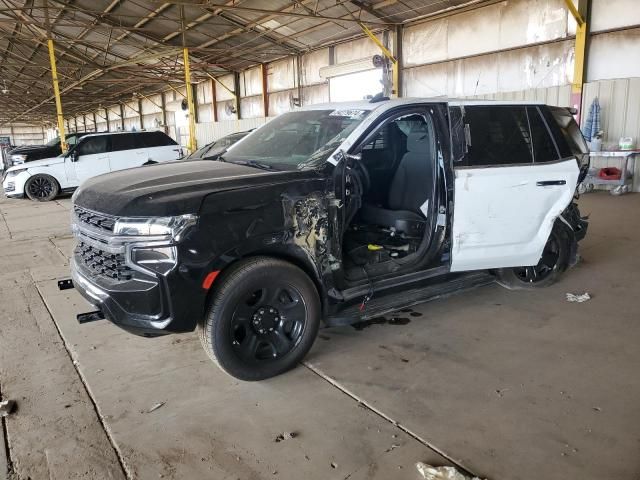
{"x": 290, "y": 258}
{"x": 44, "y": 174}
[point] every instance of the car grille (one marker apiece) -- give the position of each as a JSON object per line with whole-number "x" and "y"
{"x": 98, "y": 220}
{"x": 100, "y": 262}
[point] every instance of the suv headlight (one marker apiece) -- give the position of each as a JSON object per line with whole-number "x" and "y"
{"x": 18, "y": 159}
{"x": 18, "y": 171}
{"x": 173, "y": 227}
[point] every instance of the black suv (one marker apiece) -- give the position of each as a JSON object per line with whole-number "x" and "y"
{"x": 28, "y": 153}
{"x": 331, "y": 214}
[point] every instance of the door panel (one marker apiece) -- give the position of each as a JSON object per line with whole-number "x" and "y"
{"x": 503, "y": 215}
{"x": 88, "y": 166}
{"x": 164, "y": 154}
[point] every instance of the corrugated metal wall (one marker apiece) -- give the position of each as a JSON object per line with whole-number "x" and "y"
{"x": 24, "y": 134}
{"x": 208, "y": 132}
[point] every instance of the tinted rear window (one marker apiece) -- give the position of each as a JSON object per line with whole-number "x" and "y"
{"x": 156, "y": 139}
{"x": 123, "y": 141}
{"x": 499, "y": 135}
{"x": 566, "y": 131}
{"x": 544, "y": 148}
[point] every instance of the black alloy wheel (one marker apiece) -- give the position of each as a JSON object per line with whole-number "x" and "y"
{"x": 42, "y": 188}
{"x": 263, "y": 317}
{"x": 268, "y": 323}
{"x": 545, "y": 267}
{"x": 554, "y": 261}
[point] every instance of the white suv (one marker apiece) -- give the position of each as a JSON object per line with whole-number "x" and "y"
{"x": 42, "y": 180}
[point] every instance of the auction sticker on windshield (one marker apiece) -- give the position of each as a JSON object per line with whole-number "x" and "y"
{"x": 354, "y": 114}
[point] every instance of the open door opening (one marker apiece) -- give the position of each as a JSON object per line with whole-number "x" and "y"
{"x": 393, "y": 186}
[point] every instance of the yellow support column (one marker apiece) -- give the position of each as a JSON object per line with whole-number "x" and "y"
{"x": 579, "y": 12}
{"x": 193, "y": 144}
{"x": 56, "y": 93}
{"x": 385, "y": 51}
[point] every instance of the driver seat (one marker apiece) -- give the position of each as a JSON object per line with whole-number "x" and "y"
{"x": 410, "y": 187}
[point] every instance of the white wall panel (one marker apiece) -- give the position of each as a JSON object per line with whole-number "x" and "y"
{"x": 251, "y": 82}
{"x": 357, "y": 49}
{"x": 281, "y": 75}
{"x": 152, "y": 104}
{"x": 251, "y": 107}
{"x": 315, "y": 94}
{"x": 221, "y": 92}
{"x": 426, "y": 43}
{"x": 152, "y": 121}
{"x": 614, "y": 55}
{"x": 512, "y": 70}
{"x": 25, "y": 134}
{"x": 474, "y": 32}
{"x": 209, "y": 132}
{"x": 608, "y": 14}
{"x": 205, "y": 113}
{"x": 311, "y": 65}
{"x": 281, "y": 102}
{"x": 222, "y": 110}
{"x": 203, "y": 94}
{"x": 504, "y": 25}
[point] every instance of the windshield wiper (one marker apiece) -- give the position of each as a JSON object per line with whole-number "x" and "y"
{"x": 249, "y": 163}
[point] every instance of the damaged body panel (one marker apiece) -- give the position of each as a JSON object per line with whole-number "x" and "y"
{"x": 332, "y": 213}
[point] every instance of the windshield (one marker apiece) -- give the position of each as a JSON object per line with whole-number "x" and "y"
{"x": 297, "y": 139}
{"x": 200, "y": 152}
{"x": 53, "y": 143}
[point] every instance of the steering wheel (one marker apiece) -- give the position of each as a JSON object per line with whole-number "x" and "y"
{"x": 364, "y": 176}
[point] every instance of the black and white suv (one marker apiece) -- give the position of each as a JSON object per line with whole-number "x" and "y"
{"x": 94, "y": 154}
{"x": 331, "y": 214}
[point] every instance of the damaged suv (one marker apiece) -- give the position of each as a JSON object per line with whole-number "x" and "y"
{"x": 331, "y": 214}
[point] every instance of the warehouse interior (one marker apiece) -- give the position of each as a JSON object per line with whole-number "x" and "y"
{"x": 495, "y": 383}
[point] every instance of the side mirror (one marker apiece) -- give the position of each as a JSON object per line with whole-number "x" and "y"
{"x": 74, "y": 155}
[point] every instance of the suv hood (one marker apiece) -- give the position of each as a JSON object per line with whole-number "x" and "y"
{"x": 36, "y": 152}
{"x": 26, "y": 149}
{"x": 172, "y": 188}
{"x": 44, "y": 162}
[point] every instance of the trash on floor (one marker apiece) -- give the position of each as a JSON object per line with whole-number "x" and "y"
{"x": 6, "y": 407}
{"x": 572, "y": 297}
{"x": 156, "y": 407}
{"x": 285, "y": 436}
{"x": 429, "y": 472}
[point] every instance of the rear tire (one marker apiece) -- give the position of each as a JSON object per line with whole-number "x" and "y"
{"x": 42, "y": 188}
{"x": 554, "y": 261}
{"x": 262, "y": 320}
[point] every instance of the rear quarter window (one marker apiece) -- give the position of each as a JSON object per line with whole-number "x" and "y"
{"x": 565, "y": 131}
{"x": 156, "y": 139}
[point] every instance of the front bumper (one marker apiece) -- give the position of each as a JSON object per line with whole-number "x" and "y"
{"x": 145, "y": 304}
{"x": 13, "y": 186}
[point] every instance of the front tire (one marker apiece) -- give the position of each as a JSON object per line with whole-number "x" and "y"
{"x": 42, "y": 188}
{"x": 262, "y": 320}
{"x": 554, "y": 261}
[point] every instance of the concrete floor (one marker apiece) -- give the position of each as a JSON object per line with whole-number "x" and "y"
{"x": 509, "y": 385}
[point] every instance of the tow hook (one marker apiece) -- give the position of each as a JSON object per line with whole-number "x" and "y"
{"x": 90, "y": 317}
{"x": 65, "y": 284}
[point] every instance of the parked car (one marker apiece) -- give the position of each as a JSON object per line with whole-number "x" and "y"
{"x": 331, "y": 214}
{"x": 29, "y": 153}
{"x": 93, "y": 155}
{"x": 213, "y": 150}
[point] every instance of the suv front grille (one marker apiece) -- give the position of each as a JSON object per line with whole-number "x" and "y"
{"x": 100, "y": 262}
{"x": 97, "y": 220}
